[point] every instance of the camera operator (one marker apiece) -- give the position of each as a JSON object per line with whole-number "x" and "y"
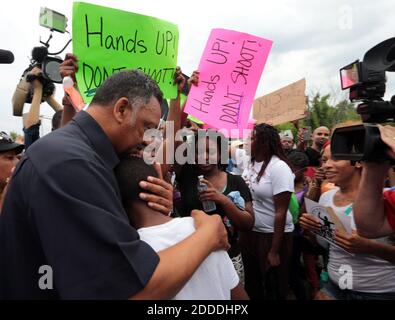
{"x": 374, "y": 211}
{"x": 34, "y": 89}
{"x": 31, "y": 125}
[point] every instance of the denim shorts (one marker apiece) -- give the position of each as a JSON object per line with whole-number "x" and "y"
{"x": 333, "y": 291}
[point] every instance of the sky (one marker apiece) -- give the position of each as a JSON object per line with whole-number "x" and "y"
{"x": 311, "y": 39}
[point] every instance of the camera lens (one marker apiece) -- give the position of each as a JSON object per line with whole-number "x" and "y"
{"x": 52, "y": 71}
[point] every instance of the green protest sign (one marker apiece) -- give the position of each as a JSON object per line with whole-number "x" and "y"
{"x": 107, "y": 40}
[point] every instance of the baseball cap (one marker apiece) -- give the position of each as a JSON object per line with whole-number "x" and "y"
{"x": 286, "y": 134}
{"x": 7, "y": 144}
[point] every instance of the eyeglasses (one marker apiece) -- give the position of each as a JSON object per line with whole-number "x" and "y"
{"x": 5, "y": 137}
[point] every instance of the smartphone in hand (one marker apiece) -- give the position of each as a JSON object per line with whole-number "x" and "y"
{"x": 307, "y": 134}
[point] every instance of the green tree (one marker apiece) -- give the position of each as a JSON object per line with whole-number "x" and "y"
{"x": 345, "y": 111}
{"x": 287, "y": 126}
{"x": 322, "y": 113}
{"x": 13, "y": 135}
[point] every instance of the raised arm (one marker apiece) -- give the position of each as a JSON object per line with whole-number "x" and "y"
{"x": 33, "y": 116}
{"x": 354, "y": 243}
{"x": 368, "y": 207}
{"x": 174, "y": 117}
{"x": 68, "y": 68}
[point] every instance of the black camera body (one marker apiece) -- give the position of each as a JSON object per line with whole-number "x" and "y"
{"x": 367, "y": 83}
{"x": 358, "y": 143}
{"x": 50, "y": 72}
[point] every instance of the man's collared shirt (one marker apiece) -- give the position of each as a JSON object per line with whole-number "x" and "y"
{"x": 63, "y": 211}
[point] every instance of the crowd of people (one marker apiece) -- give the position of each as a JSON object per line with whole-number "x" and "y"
{"x": 91, "y": 201}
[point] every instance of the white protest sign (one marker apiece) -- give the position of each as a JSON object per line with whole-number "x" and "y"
{"x": 329, "y": 221}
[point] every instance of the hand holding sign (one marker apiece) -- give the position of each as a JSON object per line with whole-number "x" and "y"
{"x": 69, "y": 66}
{"x": 323, "y": 222}
{"x": 193, "y": 79}
{"x": 179, "y": 80}
{"x": 309, "y": 222}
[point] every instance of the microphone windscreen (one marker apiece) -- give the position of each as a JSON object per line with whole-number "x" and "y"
{"x": 39, "y": 54}
{"x": 6, "y": 56}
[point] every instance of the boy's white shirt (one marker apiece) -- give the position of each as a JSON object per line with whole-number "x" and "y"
{"x": 215, "y": 277}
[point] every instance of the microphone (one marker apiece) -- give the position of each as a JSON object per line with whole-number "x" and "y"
{"x": 39, "y": 54}
{"x": 6, "y": 56}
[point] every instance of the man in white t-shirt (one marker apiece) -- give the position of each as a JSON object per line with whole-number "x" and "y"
{"x": 216, "y": 278}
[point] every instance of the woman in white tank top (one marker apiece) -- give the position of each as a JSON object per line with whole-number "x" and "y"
{"x": 358, "y": 268}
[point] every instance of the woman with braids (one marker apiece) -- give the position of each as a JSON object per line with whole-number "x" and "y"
{"x": 266, "y": 250}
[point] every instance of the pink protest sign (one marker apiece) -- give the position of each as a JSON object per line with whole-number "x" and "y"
{"x": 230, "y": 69}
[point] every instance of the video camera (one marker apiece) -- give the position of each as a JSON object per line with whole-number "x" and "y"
{"x": 367, "y": 83}
{"x": 49, "y": 75}
{"x": 48, "y": 62}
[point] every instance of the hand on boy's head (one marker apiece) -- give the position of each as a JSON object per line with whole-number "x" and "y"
{"x": 160, "y": 196}
{"x": 213, "y": 228}
{"x": 158, "y": 169}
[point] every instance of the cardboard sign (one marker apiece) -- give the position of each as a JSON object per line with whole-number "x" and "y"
{"x": 230, "y": 69}
{"x": 283, "y": 105}
{"x": 107, "y": 40}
